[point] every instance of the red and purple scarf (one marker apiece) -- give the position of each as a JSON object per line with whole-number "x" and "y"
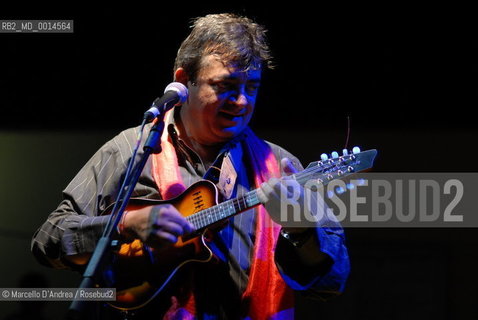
{"x": 266, "y": 294}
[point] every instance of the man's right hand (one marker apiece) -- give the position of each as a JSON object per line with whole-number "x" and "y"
{"x": 158, "y": 226}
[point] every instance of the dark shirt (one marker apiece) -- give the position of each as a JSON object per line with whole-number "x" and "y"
{"x": 76, "y": 225}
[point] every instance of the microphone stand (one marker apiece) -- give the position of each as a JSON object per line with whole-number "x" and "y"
{"x": 106, "y": 243}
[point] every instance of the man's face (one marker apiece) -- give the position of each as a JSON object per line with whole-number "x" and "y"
{"x": 221, "y": 103}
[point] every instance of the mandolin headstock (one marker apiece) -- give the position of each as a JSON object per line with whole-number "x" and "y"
{"x": 334, "y": 166}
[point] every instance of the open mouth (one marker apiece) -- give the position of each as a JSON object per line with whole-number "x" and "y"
{"x": 232, "y": 115}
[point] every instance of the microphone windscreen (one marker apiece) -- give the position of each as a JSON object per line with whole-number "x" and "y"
{"x": 180, "y": 89}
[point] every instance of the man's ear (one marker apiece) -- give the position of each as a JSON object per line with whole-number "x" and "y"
{"x": 180, "y": 75}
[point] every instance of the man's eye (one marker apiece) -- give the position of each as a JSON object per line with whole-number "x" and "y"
{"x": 252, "y": 89}
{"x": 222, "y": 87}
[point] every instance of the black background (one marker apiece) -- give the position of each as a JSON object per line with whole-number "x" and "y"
{"x": 405, "y": 76}
{"x": 388, "y": 66}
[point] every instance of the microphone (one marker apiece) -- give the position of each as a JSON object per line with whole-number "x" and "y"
{"x": 174, "y": 94}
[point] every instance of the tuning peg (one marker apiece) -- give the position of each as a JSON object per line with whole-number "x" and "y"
{"x": 355, "y": 150}
{"x": 335, "y": 155}
{"x": 324, "y": 157}
{"x": 339, "y": 190}
{"x": 345, "y": 152}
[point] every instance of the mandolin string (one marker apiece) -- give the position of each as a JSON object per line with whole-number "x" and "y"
{"x": 348, "y": 132}
{"x": 194, "y": 219}
{"x": 214, "y": 214}
{"x": 210, "y": 215}
{"x": 203, "y": 217}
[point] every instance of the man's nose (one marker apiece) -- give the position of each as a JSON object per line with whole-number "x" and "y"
{"x": 240, "y": 99}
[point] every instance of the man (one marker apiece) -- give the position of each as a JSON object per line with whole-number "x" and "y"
{"x": 258, "y": 263}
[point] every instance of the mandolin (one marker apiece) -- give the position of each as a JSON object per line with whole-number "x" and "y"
{"x": 140, "y": 274}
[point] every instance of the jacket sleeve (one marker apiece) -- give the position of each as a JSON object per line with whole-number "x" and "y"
{"x": 322, "y": 280}
{"x": 77, "y": 223}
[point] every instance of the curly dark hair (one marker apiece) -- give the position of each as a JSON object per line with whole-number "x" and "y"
{"x": 237, "y": 40}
